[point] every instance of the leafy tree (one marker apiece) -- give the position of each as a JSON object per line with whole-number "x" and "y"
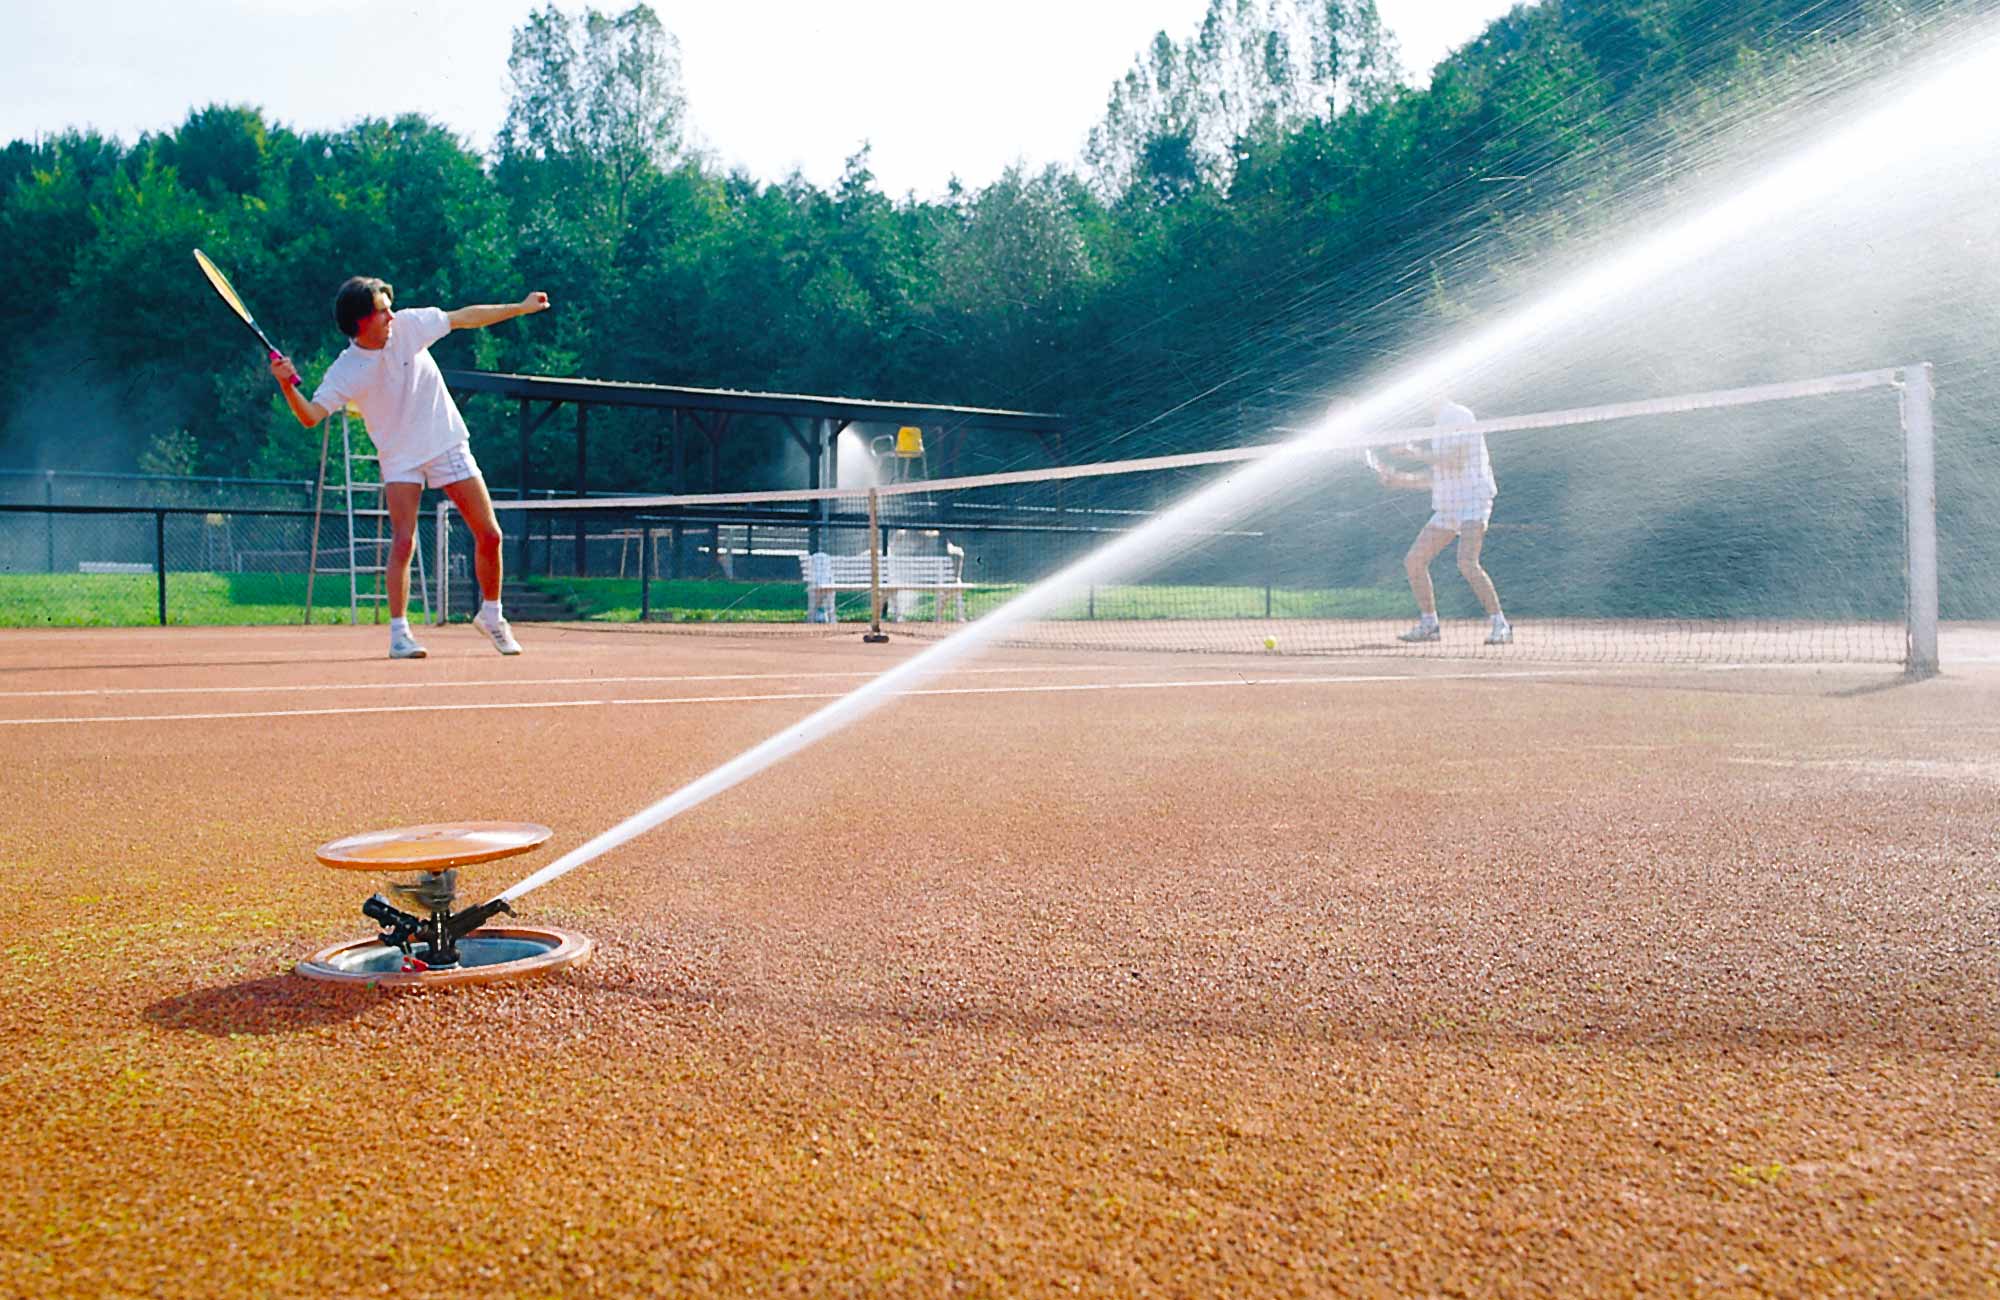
{"x": 172, "y": 452}
{"x": 1185, "y": 110}
{"x": 1017, "y": 245}
{"x": 133, "y": 279}
{"x": 597, "y": 102}
{"x": 219, "y": 150}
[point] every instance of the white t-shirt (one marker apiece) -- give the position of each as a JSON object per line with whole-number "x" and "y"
{"x": 1468, "y": 489}
{"x": 400, "y": 390}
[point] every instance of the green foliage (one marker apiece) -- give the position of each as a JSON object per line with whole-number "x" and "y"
{"x": 596, "y": 114}
{"x": 219, "y": 151}
{"x": 171, "y": 452}
{"x": 132, "y": 280}
{"x": 1184, "y": 114}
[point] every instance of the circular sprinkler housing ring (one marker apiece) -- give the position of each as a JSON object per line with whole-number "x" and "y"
{"x": 493, "y": 955}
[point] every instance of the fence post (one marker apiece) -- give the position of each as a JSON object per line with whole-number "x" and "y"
{"x": 1270, "y": 566}
{"x": 49, "y": 499}
{"x": 160, "y": 560}
{"x": 645, "y": 574}
{"x": 441, "y": 611}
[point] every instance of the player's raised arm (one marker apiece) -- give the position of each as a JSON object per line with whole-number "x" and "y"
{"x": 1392, "y": 476}
{"x": 304, "y": 409}
{"x": 472, "y": 318}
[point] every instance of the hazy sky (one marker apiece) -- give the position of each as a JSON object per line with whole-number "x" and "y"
{"x": 937, "y": 88}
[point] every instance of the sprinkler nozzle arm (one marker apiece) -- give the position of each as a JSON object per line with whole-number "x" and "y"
{"x": 398, "y": 926}
{"x": 464, "y": 923}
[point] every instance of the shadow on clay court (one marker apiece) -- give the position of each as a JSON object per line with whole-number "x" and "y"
{"x": 1876, "y": 688}
{"x": 1808, "y": 1021}
{"x": 271, "y": 1004}
{"x": 1789, "y": 684}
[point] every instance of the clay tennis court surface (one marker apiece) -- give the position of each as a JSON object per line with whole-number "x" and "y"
{"x": 1212, "y": 976}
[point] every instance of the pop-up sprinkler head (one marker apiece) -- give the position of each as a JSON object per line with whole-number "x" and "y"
{"x": 430, "y": 943}
{"x": 439, "y": 932}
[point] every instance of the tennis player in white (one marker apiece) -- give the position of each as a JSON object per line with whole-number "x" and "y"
{"x": 1459, "y": 474}
{"x": 387, "y": 372}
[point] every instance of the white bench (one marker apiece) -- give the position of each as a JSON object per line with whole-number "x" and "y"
{"x": 825, "y": 575}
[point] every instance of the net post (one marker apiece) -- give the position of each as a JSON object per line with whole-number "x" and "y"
{"x": 875, "y": 635}
{"x": 1920, "y": 520}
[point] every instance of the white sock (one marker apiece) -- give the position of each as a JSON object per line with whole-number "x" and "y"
{"x": 399, "y": 626}
{"x": 1500, "y": 620}
{"x": 1427, "y": 620}
{"x": 489, "y": 611}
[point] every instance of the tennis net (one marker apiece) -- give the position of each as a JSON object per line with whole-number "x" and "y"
{"x": 1785, "y": 522}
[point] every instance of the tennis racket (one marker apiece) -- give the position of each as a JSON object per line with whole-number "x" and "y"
{"x": 227, "y": 292}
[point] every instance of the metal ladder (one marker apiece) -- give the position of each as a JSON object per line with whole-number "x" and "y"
{"x": 368, "y": 532}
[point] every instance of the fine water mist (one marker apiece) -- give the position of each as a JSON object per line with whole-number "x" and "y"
{"x": 1938, "y": 113}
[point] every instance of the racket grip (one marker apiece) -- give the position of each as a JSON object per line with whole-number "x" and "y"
{"x": 294, "y": 380}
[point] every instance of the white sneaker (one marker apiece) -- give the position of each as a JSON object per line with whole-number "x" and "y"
{"x": 403, "y": 645}
{"x": 1502, "y": 633}
{"x": 1425, "y": 631}
{"x": 502, "y": 635}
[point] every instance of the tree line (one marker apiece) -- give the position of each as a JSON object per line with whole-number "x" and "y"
{"x": 1265, "y": 211}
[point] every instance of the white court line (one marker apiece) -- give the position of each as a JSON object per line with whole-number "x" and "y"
{"x": 91, "y": 691}
{"x": 1054, "y": 689}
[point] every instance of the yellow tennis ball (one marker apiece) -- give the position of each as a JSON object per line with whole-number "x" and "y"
{"x": 1270, "y": 643}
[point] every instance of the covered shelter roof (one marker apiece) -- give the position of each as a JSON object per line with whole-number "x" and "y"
{"x": 813, "y": 422}
{"x": 848, "y": 410}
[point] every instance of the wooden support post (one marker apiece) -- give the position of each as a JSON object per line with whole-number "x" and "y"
{"x": 680, "y": 461}
{"x": 582, "y": 480}
{"x": 525, "y": 428}
{"x": 675, "y": 537}
{"x": 715, "y": 451}
{"x": 814, "y": 443}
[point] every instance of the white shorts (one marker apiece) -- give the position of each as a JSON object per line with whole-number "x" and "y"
{"x": 1475, "y": 512}
{"x": 455, "y": 466}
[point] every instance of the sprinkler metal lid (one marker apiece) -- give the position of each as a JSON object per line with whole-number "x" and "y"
{"x": 432, "y": 847}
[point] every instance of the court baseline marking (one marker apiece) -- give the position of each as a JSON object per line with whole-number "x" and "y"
{"x": 1344, "y": 679}
{"x": 280, "y": 688}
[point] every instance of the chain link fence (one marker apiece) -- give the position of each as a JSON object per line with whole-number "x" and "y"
{"x": 59, "y": 487}
{"x": 109, "y": 566}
